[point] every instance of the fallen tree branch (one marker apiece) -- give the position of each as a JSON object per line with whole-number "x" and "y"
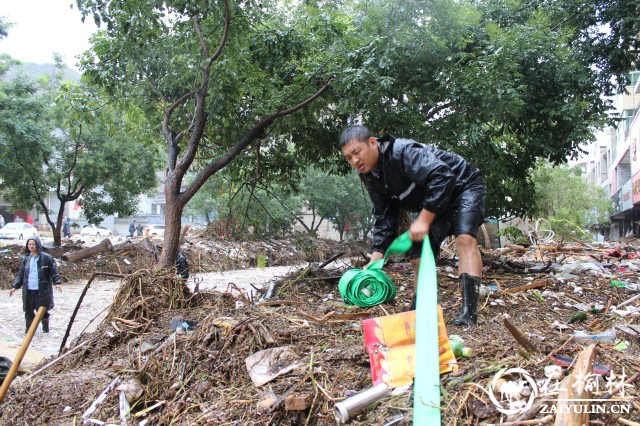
{"x": 523, "y": 341}
{"x": 104, "y": 245}
{"x": 75, "y": 311}
{"x": 526, "y": 287}
{"x": 57, "y": 359}
{"x": 300, "y": 276}
{"x": 331, "y": 259}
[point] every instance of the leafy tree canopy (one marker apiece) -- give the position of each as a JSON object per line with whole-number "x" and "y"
{"x": 339, "y": 199}
{"x": 275, "y": 208}
{"x": 5, "y": 60}
{"x": 503, "y": 83}
{"x": 264, "y": 88}
{"x": 568, "y": 202}
{"x": 66, "y": 138}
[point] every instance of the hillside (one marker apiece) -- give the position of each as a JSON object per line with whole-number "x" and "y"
{"x": 36, "y": 70}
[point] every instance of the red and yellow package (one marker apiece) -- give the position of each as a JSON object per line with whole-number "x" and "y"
{"x": 390, "y": 342}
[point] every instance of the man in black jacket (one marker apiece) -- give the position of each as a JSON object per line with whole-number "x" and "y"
{"x": 443, "y": 188}
{"x": 37, "y": 275}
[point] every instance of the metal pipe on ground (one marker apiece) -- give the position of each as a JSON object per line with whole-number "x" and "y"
{"x": 354, "y": 405}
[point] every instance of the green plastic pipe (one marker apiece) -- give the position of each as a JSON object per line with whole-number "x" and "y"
{"x": 426, "y": 392}
{"x": 426, "y": 395}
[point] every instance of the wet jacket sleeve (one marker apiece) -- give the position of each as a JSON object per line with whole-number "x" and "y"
{"x": 54, "y": 276}
{"x": 17, "y": 283}
{"x": 422, "y": 166}
{"x": 385, "y": 223}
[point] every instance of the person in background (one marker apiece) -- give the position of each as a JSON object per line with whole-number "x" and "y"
{"x": 139, "y": 230}
{"x": 66, "y": 228}
{"x": 37, "y": 276}
{"x": 182, "y": 267}
{"x": 445, "y": 190}
{"x": 132, "y": 228}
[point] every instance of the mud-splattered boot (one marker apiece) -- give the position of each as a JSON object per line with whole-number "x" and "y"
{"x": 469, "y": 288}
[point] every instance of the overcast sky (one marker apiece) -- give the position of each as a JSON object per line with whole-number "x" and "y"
{"x": 42, "y": 27}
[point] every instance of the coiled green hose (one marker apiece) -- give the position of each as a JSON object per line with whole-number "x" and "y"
{"x": 370, "y": 287}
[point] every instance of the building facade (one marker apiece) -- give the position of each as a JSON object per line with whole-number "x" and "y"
{"x": 613, "y": 162}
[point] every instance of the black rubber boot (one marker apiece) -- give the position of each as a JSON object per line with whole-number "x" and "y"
{"x": 470, "y": 288}
{"x": 28, "y": 317}
{"x": 45, "y": 325}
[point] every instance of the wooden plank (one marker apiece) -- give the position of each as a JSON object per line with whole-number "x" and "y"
{"x": 297, "y": 403}
{"x": 574, "y": 393}
{"x": 526, "y": 287}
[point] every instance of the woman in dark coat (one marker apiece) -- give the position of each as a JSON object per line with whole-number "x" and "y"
{"x": 37, "y": 276}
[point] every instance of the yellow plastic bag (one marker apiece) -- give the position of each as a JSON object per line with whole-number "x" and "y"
{"x": 390, "y": 342}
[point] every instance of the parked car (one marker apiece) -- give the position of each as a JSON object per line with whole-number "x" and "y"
{"x": 95, "y": 231}
{"x": 18, "y": 231}
{"x": 153, "y": 230}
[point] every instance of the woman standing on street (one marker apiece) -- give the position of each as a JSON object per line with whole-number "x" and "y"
{"x": 37, "y": 276}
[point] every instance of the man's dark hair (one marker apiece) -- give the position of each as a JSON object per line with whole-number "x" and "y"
{"x": 357, "y": 133}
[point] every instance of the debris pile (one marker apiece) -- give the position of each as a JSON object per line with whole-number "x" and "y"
{"x": 9, "y": 265}
{"x": 203, "y": 254}
{"x": 551, "y": 318}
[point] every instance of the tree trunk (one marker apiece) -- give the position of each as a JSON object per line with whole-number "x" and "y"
{"x": 57, "y": 230}
{"x": 172, "y": 222}
{"x": 57, "y": 226}
{"x": 105, "y": 245}
{"x": 57, "y": 238}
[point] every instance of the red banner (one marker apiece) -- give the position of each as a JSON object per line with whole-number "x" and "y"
{"x": 635, "y": 188}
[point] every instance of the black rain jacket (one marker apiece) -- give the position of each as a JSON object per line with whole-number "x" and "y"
{"x": 47, "y": 276}
{"x": 412, "y": 176}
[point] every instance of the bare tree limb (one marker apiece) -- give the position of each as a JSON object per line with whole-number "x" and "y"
{"x": 182, "y": 165}
{"x": 236, "y": 149}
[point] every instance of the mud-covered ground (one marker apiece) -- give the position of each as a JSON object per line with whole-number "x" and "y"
{"x": 99, "y": 297}
{"x": 200, "y": 376}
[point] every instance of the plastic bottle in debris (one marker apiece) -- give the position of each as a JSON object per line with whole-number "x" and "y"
{"x": 486, "y": 290}
{"x": 621, "y": 284}
{"x": 459, "y": 350}
{"x": 608, "y": 336}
